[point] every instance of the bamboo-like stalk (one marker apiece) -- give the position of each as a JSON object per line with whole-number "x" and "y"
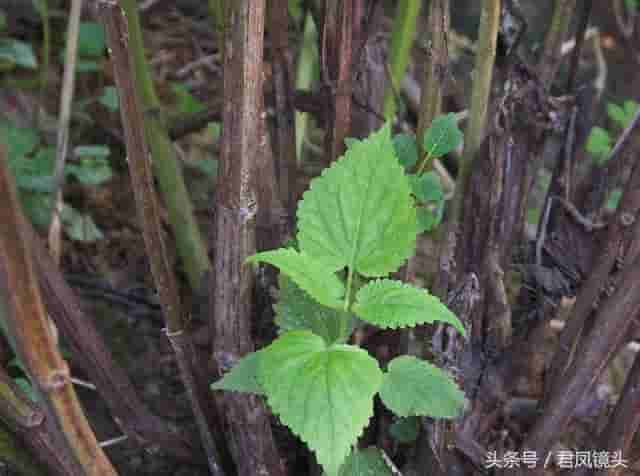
{"x": 404, "y": 32}
{"x": 29, "y": 326}
{"x": 190, "y": 243}
{"x": 149, "y": 211}
{"x": 555, "y": 36}
{"x": 482, "y": 75}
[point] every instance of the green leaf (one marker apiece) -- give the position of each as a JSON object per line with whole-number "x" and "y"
{"x": 36, "y": 173}
{"x": 3, "y": 21}
{"x": 91, "y": 40}
{"x": 406, "y": 150}
{"x": 599, "y": 144}
{"x": 351, "y": 141}
{"x": 429, "y": 217}
{"x": 616, "y": 114}
{"x": 78, "y": 226}
{"x": 324, "y": 394}
{"x": 296, "y": 310}
{"x": 632, "y": 5}
{"x": 243, "y": 377}
{"x": 18, "y": 53}
{"x": 614, "y": 198}
{"x": 91, "y": 171}
{"x": 388, "y": 303}
{"x": 367, "y": 462}
{"x": 187, "y": 103}
{"x": 87, "y": 66}
{"x": 427, "y": 187}
{"x": 359, "y": 213}
{"x": 630, "y": 110}
{"x": 306, "y": 272}
{"x": 97, "y": 151}
{"x": 405, "y": 430}
{"x": 214, "y": 128}
{"x": 109, "y": 98}
{"x": 208, "y": 167}
{"x": 442, "y": 136}
{"x": 414, "y": 387}
{"x": 37, "y": 207}
{"x": 20, "y": 141}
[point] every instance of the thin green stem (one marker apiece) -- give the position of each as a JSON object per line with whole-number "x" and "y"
{"x": 189, "y": 241}
{"x": 347, "y": 296}
{"x": 483, "y": 74}
{"x": 307, "y": 71}
{"x": 404, "y": 30}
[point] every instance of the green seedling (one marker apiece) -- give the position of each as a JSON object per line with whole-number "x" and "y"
{"x": 357, "y": 225}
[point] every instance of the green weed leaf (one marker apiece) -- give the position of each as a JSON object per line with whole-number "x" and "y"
{"x": 388, "y": 303}
{"x": 296, "y": 310}
{"x": 109, "y": 98}
{"x": 20, "y": 141}
{"x": 599, "y": 144}
{"x": 79, "y": 226}
{"x": 442, "y": 136}
{"x": 307, "y": 273}
{"x": 414, "y": 387}
{"x": 242, "y": 377}
{"x": 324, "y": 394}
{"x": 91, "y": 40}
{"x": 406, "y": 150}
{"x": 360, "y": 213}
{"x": 18, "y": 53}
{"x": 367, "y": 462}
{"x": 427, "y": 187}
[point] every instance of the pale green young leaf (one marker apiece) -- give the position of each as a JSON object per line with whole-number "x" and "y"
{"x": 296, "y": 310}
{"x": 442, "y": 136}
{"x": 391, "y": 304}
{"x": 308, "y": 273}
{"x": 324, "y": 394}
{"x": 242, "y": 377}
{"x": 360, "y": 213}
{"x": 414, "y": 387}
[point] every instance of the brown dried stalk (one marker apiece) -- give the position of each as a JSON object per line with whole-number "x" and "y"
{"x": 234, "y": 235}
{"x": 35, "y": 344}
{"x": 139, "y": 161}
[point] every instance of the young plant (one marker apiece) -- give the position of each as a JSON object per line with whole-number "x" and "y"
{"x": 599, "y": 142}
{"x": 357, "y": 224}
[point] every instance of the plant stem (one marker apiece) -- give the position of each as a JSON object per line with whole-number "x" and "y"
{"x": 66, "y": 100}
{"x": 29, "y": 326}
{"x": 306, "y": 72}
{"x": 347, "y": 296}
{"x": 235, "y": 213}
{"x": 483, "y": 73}
{"x": 404, "y": 30}
{"x": 436, "y": 72}
{"x": 190, "y": 243}
{"x": 149, "y": 212}
{"x": 556, "y": 34}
